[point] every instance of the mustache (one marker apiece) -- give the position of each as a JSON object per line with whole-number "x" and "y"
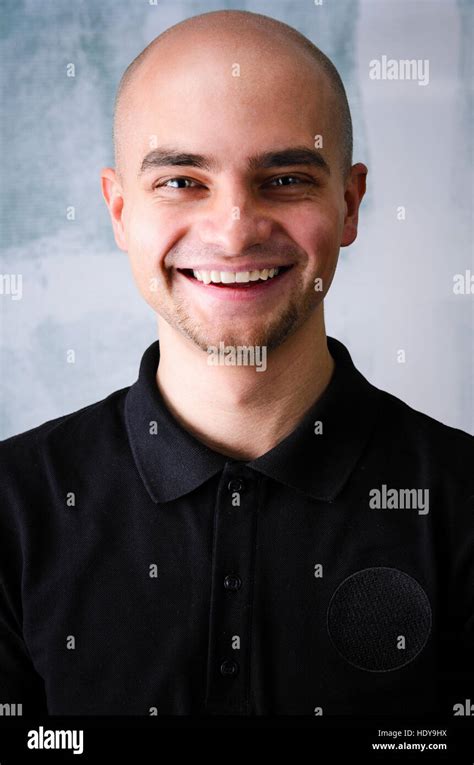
{"x": 186, "y": 256}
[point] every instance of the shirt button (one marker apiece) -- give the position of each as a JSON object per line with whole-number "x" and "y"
{"x": 232, "y": 582}
{"x": 229, "y": 668}
{"x": 235, "y": 484}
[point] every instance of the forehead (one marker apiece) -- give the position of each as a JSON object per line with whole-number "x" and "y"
{"x": 234, "y": 99}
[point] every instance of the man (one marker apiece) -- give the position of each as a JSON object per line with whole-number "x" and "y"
{"x": 252, "y": 527}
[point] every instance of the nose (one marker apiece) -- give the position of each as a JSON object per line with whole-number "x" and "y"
{"x": 234, "y": 220}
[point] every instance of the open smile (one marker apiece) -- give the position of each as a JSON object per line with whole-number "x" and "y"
{"x": 232, "y": 282}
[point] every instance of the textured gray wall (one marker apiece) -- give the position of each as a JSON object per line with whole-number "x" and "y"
{"x": 393, "y": 288}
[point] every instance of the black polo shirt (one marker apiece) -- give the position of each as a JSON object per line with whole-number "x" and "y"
{"x": 143, "y": 573}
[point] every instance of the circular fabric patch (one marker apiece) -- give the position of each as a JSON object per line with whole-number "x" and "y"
{"x": 379, "y": 619}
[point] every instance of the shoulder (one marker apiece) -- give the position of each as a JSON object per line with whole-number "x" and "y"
{"x": 415, "y": 426}
{"x": 440, "y": 453}
{"x": 28, "y": 458}
{"x": 65, "y": 424}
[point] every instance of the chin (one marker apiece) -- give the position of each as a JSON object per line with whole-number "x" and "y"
{"x": 269, "y": 334}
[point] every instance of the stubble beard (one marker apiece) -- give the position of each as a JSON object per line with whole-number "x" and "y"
{"x": 270, "y": 334}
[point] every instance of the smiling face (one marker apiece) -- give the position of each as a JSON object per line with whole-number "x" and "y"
{"x": 227, "y": 210}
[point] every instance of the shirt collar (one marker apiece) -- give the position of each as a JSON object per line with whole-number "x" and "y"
{"x": 172, "y": 462}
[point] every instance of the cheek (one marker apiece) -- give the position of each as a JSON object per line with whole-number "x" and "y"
{"x": 143, "y": 231}
{"x": 148, "y": 236}
{"x": 318, "y": 234}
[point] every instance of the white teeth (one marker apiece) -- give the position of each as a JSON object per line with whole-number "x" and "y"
{"x": 229, "y": 277}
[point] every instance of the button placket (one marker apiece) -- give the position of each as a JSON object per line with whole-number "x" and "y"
{"x": 232, "y": 582}
{"x": 231, "y": 592}
{"x": 236, "y": 485}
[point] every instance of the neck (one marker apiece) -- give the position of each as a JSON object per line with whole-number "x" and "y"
{"x": 236, "y": 410}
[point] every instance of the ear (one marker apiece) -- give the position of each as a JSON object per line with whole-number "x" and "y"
{"x": 113, "y": 195}
{"x": 355, "y": 190}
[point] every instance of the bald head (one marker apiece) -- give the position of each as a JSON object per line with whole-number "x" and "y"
{"x": 247, "y": 30}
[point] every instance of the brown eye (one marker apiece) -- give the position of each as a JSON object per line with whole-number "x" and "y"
{"x": 281, "y": 180}
{"x": 179, "y": 180}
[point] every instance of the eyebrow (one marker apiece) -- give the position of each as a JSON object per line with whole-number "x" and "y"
{"x": 298, "y": 155}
